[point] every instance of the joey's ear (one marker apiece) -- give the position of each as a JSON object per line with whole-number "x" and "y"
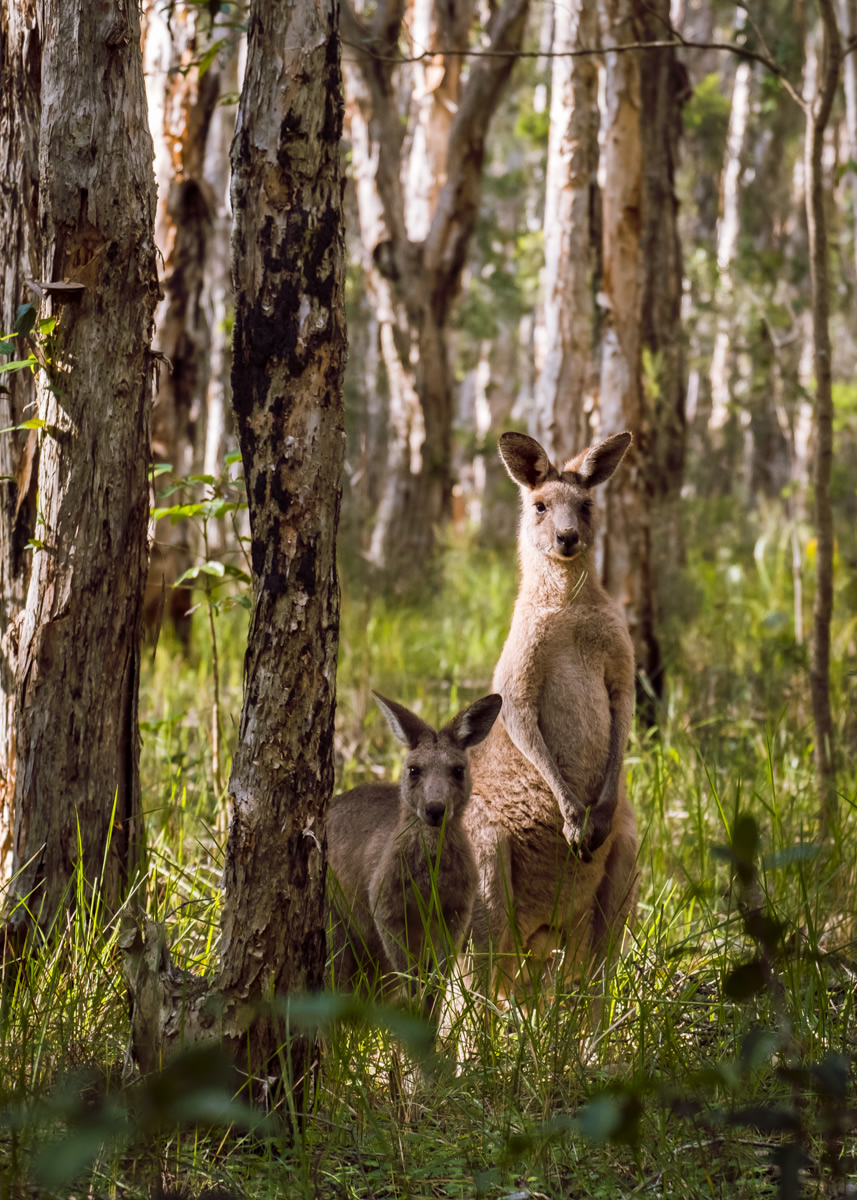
{"x": 473, "y": 724}
{"x": 406, "y": 726}
{"x": 525, "y": 460}
{"x": 599, "y": 462}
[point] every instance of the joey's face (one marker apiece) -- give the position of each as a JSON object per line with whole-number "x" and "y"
{"x": 435, "y": 780}
{"x": 557, "y": 519}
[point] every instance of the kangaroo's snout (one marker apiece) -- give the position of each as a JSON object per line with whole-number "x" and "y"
{"x": 567, "y": 541}
{"x": 434, "y": 811}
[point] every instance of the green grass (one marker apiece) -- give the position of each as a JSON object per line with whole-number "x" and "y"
{"x": 668, "y": 1086}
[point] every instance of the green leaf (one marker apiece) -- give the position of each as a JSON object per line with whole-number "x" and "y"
{"x": 7, "y": 344}
{"x": 157, "y": 469}
{"x": 233, "y": 457}
{"x": 25, "y": 319}
{"x": 209, "y": 479}
{"x": 18, "y": 364}
{"x": 32, "y": 423}
{"x": 207, "y": 568}
{"x": 208, "y": 58}
{"x": 47, "y": 326}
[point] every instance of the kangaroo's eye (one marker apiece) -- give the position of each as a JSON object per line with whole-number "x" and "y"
{"x": 413, "y": 772}
{"x": 540, "y": 507}
{"x": 458, "y": 773}
{"x": 586, "y": 508}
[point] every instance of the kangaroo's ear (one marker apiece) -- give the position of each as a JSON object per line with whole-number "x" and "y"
{"x": 525, "y": 460}
{"x": 407, "y": 727}
{"x": 599, "y": 462}
{"x": 473, "y": 724}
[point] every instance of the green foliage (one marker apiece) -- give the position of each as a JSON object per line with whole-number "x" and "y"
{"x": 706, "y": 115}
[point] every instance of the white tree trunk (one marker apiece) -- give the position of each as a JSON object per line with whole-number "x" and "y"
{"x": 727, "y": 239}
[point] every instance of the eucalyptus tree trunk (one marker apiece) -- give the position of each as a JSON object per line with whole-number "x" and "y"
{"x": 642, "y": 362}
{"x": 627, "y": 551}
{"x": 20, "y": 65}
{"x": 663, "y": 90}
{"x": 75, "y": 733}
{"x": 419, "y": 234}
{"x": 567, "y": 384}
{"x": 847, "y": 17}
{"x": 181, "y": 107}
{"x": 820, "y": 103}
{"x": 289, "y": 352}
{"x": 728, "y": 228}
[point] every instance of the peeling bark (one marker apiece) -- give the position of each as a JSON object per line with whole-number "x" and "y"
{"x": 289, "y": 352}
{"x": 20, "y": 74}
{"x": 567, "y": 383}
{"x": 76, "y": 735}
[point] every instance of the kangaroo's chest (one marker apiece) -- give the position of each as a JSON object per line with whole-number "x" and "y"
{"x": 574, "y": 706}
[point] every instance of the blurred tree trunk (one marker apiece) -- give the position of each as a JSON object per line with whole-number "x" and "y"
{"x": 289, "y": 353}
{"x": 567, "y": 383}
{"x": 20, "y": 66}
{"x": 76, "y": 736}
{"x": 847, "y": 15}
{"x": 642, "y": 367}
{"x": 728, "y": 228}
{"x": 418, "y": 229}
{"x": 182, "y": 105}
{"x": 821, "y": 94}
{"x": 663, "y": 89}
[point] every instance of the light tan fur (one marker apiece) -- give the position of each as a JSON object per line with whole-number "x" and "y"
{"x": 403, "y": 876}
{"x": 553, "y": 833}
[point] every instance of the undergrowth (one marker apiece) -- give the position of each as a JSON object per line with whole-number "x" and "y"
{"x": 717, "y": 1060}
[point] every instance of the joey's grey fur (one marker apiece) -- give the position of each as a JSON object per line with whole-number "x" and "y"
{"x": 387, "y": 844}
{"x": 553, "y": 833}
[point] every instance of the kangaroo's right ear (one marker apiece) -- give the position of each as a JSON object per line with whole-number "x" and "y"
{"x": 406, "y": 726}
{"x": 473, "y": 724}
{"x": 525, "y": 460}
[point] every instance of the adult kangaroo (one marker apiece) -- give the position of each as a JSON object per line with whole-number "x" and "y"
{"x": 553, "y": 833}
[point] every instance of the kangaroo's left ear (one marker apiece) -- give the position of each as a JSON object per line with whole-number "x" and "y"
{"x": 473, "y": 724}
{"x": 599, "y": 462}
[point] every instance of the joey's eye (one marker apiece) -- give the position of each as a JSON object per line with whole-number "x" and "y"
{"x": 586, "y": 508}
{"x": 413, "y": 772}
{"x": 540, "y": 507}
{"x": 458, "y": 773}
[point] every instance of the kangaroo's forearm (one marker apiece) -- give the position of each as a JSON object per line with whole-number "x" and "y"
{"x": 523, "y": 729}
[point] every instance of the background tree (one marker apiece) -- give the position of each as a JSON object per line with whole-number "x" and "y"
{"x": 75, "y": 733}
{"x": 417, "y": 222}
{"x": 289, "y": 353}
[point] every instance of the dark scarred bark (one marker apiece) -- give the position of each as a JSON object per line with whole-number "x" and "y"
{"x": 661, "y": 442}
{"x": 20, "y": 72}
{"x": 75, "y": 731}
{"x": 289, "y": 353}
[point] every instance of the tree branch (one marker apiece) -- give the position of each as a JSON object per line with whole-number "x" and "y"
{"x": 445, "y": 247}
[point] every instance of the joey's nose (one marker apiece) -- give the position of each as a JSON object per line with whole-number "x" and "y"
{"x": 434, "y": 812}
{"x": 566, "y": 540}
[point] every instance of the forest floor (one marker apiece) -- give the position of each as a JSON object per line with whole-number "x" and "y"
{"x": 718, "y": 1059}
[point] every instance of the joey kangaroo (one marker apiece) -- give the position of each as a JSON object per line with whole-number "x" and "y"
{"x": 393, "y": 848}
{"x": 554, "y": 836}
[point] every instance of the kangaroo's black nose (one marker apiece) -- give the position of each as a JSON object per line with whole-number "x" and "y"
{"x": 567, "y": 540}
{"x": 434, "y": 812}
